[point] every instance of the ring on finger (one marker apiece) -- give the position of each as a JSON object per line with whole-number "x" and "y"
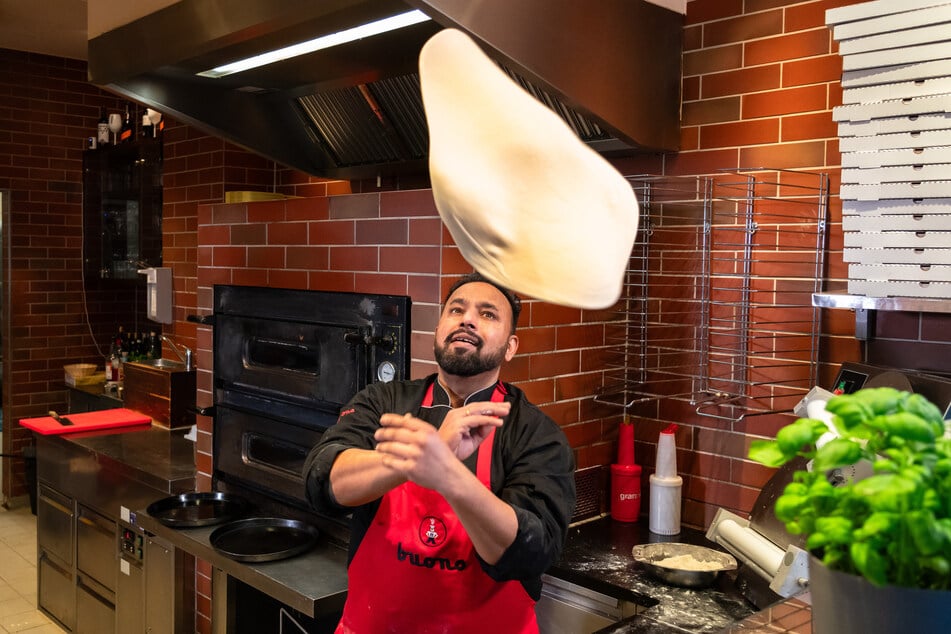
{"x": 468, "y": 413}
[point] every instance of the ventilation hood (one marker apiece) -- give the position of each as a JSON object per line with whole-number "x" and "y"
{"x": 610, "y": 68}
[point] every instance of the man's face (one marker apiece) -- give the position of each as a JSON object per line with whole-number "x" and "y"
{"x": 474, "y": 333}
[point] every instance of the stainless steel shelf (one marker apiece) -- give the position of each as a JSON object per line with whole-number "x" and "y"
{"x": 861, "y": 302}
{"x": 866, "y": 308}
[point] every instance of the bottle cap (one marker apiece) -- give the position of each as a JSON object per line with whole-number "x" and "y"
{"x": 667, "y": 453}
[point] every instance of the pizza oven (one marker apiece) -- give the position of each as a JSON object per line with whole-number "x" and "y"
{"x": 285, "y": 362}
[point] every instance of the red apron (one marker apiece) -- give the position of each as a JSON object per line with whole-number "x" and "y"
{"x": 416, "y": 570}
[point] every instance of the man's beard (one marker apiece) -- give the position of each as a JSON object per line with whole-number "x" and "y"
{"x": 470, "y": 362}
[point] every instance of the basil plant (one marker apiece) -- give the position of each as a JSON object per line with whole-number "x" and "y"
{"x": 893, "y": 527}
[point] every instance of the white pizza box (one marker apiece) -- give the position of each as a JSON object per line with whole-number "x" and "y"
{"x": 937, "y": 290}
{"x": 898, "y": 174}
{"x": 898, "y": 90}
{"x": 897, "y": 141}
{"x": 897, "y": 256}
{"x": 901, "y": 272}
{"x": 886, "y": 191}
{"x": 892, "y": 21}
{"x": 905, "y": 156}
{"x": 897, "y": 239}
{"x": 893, "y": 108}
{"x": 905, "y": 55}
{"x": 900, "y": 207}
{"x": 925, "y": 34}
{"x": 895, "y": 73}
{"x": 890, "y": 125}
{"x": 917, "y": 222}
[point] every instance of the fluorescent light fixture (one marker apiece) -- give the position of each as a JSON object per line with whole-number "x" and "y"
{"x": 325, "y": 41}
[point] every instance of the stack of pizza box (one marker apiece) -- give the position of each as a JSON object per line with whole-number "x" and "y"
{"x": 894, "y": 128}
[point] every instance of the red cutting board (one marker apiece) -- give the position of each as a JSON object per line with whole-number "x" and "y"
{"x": 88, "y": 421}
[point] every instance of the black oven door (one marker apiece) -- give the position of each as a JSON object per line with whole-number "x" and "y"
{"x": 311, "y": 365}
{"x": 266, "y": 455}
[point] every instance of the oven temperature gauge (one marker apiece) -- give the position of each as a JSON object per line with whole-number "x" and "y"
{"x": 386, "y": 371}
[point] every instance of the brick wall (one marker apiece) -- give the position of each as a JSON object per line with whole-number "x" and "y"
{"x": 760, "y": 78}
{"x": 759, "y": 81}
{"x": 49, "y": 317}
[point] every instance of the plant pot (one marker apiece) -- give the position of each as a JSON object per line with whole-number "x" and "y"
{"x": 849, "y": 604}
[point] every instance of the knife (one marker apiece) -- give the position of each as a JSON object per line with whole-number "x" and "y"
{"x": 62, "y": 420}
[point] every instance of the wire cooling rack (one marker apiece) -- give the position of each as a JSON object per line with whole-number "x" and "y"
{"x": 717, "y": 308}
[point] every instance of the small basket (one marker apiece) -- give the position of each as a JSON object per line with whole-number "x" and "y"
{"x": 79, "y": 370}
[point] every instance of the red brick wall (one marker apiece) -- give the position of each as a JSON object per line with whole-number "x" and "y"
{"x": 759, "y": 81}
{"x": 47, "y": 110}
{"x": 760, "y": 78}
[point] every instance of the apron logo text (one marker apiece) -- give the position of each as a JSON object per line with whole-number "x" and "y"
{"x": 415, "y": 559}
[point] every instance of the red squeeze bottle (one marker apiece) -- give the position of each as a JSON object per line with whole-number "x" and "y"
{"x": 625, "y": 477}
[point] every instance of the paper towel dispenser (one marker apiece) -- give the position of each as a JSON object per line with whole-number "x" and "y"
{"x": 158, "y": 295}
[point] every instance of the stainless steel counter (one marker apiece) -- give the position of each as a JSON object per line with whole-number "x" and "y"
{"x": 116, "y": 471}
{"x": 315, "y": 583}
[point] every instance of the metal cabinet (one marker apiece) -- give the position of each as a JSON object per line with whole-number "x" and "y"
{"x": 89, "y": 581}
{"x": 96, "y": 547}
{"x": 94, "y": 614}
{"x": 76, "y": 557}
{"x": 55, "y": 585}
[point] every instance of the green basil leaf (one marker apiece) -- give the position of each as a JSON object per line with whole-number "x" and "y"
{"x": 886, "y": 492}
{"x": 793, "y": 437}
{"x": 838, "y": 452}
{"x": 907, "y": 426}
{"x": 850, "y": 411}
{"x": 882, "y": 400}
{"x": 925, "y": 532}
{"x": 920, "y": 406}
{"x": 838, "y": 530}
{"x": 766, "y": 452}
{"x": 878, "y": 527}
{"x": 869, "y": 563}
{"x": 789, "y": 507}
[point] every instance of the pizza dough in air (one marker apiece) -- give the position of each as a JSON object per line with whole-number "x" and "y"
{"x": 529, "y": 205}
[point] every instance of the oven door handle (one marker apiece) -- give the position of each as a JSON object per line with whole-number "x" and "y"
{"x": 207, "y": 320}
{"x": 204, "y": 411}
{"x": 355, "y": 338}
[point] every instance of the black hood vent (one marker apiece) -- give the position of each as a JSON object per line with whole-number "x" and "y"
{"x": 611, "y": 70}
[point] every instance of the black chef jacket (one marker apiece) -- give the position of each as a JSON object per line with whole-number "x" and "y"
{"x": 532, "y": 470}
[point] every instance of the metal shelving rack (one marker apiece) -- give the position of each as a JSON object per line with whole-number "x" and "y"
{"x": 718, "y": 307}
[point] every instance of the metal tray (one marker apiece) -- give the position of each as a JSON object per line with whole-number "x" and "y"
{"x": 259, "y": 539}
{"x": 651, "y": 556}
{"x": 195, "y": 509}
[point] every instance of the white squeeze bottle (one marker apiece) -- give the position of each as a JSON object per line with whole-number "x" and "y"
{"x": 666, "y": 487}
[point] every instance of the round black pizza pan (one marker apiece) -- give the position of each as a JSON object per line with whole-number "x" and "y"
{"x": 195, "y": 509}
{"x": 259, "y": 539}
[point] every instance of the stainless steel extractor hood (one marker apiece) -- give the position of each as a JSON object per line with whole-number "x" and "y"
{"x": 610, "y": 68}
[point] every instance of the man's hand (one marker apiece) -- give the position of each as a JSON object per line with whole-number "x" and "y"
{"x": 424, "y": 454}
{"x": 432, "y": 458}
{"x": 465, "y": 428}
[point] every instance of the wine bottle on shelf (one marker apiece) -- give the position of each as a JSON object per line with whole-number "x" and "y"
{"x": 102, "y": 128}
{"x": 120, "y": 341}
{"x": 125, "y": 134}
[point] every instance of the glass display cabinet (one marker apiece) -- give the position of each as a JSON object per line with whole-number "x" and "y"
{"x": 122, "y": 210}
